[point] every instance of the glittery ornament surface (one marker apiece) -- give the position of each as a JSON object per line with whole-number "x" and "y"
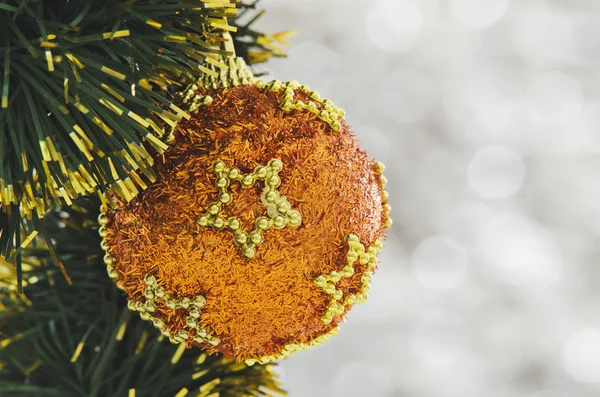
{"x": 282, "y": 296}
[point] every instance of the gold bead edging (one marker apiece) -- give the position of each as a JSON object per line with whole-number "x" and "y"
{"x": 293, "y": 348}
{"x": 237, "y": 73}
{"x": 356, "y": 253}
{"x": 387, "y": 220}
{"x": 108, "y": 260}
{"x": 193, "y": 100}
{"x": 193, "y": 307}
{"x": 279, "y": 210}
{"x": 153, "y": 292}
{"x": 323, "y": 108}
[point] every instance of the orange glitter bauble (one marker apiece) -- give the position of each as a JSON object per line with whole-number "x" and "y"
{"x": 261, "y": 230}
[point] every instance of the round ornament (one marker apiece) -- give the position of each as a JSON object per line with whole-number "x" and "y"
{"x": 262, "y": 228}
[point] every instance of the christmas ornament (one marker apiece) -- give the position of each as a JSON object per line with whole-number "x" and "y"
{"x": 263, "y": 226}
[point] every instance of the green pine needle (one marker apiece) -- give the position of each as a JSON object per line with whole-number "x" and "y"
{"x": 80, "y": 340}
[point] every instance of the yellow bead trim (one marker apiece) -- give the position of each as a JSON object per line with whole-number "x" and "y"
{"x": 387, "y": 221}
{"x": 193, "y": 100}
{"x": 154, "y": 293}
{"x": 108, "y": 260}
{"x": 279, "y": 210}
{"x": 323, "y": 108}
{"x": 193, "y": 306}
{"x": 356, "y": 253}
{"x": 293, "y": 348}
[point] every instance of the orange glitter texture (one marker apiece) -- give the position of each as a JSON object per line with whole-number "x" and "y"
{"x": 253, "y": 306}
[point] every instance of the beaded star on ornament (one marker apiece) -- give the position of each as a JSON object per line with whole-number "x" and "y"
{"x": 278, "y": 209}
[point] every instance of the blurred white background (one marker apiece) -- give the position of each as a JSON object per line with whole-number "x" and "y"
{"x": 487, "y": 115}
